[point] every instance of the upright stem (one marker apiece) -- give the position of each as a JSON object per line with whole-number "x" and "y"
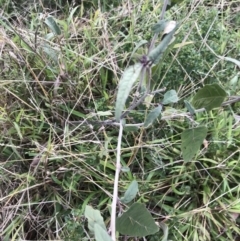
{"x": 115, "y": 190}
{"x": 118, "y": 163}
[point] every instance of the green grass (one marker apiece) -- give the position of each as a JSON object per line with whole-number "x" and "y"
{"x": 56, "y": 158}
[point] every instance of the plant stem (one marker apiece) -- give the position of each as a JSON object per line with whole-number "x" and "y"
{"x": 115, "y": 190}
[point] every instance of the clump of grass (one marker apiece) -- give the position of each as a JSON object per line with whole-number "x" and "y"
{"x": 55, "y": 89}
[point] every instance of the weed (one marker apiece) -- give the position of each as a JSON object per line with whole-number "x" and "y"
{"x": 58, "y": 91}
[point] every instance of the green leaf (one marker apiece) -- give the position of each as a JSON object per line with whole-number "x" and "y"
{"x": 209, "y": 97}
{"x": 233, "y": 82}
{"x": 52, "y": 53}
{"x": 138, "y": 45}
{"x": 18, "y": 129}
{"x": 69, "y": 19}
{"x": 137, "y": 222}
{"x": 94, "y": 217}
{"x": 131, "y": 192}
{"x": 51, "y": 23}
{"x": 160, "y": 26}
{"x": 100, "y": 233}
{"x": 127, "y": 80}
{"x": 189, "y": 107}
{"x": 131, "y": 128}
{"x": 152, "y": 116}
{"x": 192, "y": 139}
{"x": 157, "y": 53}
{"x": 170, "y": 97}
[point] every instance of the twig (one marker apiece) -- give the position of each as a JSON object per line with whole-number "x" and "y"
{"x": 115, "y": 190}
{"x": 137, "y": 103}
{"x": 232, "y": 100}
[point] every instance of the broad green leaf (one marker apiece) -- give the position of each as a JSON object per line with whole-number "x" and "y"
{"x": 136, "y": 221}
{"x": 94, "y": 217}
{"x": 192, "y": 139}
{"x": 209, "y": 97}
{"x": 131, "y": 192}
{"x": 189, "y": 107}
{"x": 127, "y": 80}
{"x": 157, "y": 53}
{"x": 51, "y": 23}
{"x": 170, "y": 97}
{"x": 152, "y": 116}
{"x": 100, "y": 233}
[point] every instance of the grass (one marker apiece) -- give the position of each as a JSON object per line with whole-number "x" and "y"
{"x": 55, "y": 156}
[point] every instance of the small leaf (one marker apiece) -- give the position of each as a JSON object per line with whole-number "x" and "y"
{"x": 209, "y": 97}
{"x": 137, "y": 222}
{"x": 189, "y": 107}
{"x": 157, "y": 53}
{"x": 192, "y": 139}
{"x": 18, "y": 129}
{"x": 138, "y": 45}
{"x": 127, "y": 80}
{"x": 131, "y": 192}
{"x": 170, "y": 97}
{"x": 101, "y": 234}
{"x": 131, "y": 128}
{"x": 152, "y": 116}
{"x": 234, "y": 81}
{"x": 94, "y": 217}
{"x": 52, "y": 53}
{"x": 160, "y": 26}
{"x": 49, "y": 36}
{"x": 69, "y": 19}
{"x": 51, "y": 23}
{"x": 148, "y": 100}
{"x": 170, "y": 26}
